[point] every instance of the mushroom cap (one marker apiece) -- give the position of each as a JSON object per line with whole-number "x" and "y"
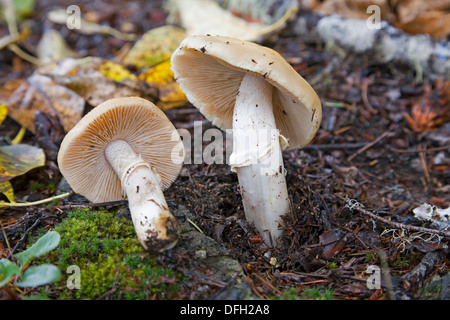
{"x": 209, "y": 70}
{"x": 82, "y": 160}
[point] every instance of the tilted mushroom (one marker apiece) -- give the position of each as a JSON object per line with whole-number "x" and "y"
{"x": 127, "y": 147}
{"x": 252, "y": 90}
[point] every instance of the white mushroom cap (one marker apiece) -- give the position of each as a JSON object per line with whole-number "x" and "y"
{"x": 209, "y": 70}
{"x": 139, "y": 122}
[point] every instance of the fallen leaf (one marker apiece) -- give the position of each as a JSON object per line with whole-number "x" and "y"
{"x": 53, "y": 47}
{"x": 155, "y": 46}
{"x": 332, "y": 242}
{"x": 7, "y": 189}
{"x": 161, "y": 77}
{"x": 61, "y": 16}
{"x": 68, "y": 105}
{"x": 41, "y": 93}
{"x": 3, "y": 112}
{"x": 434, "y": 23}
{"x": 86, "y": 77}
{"x": 432, "y": 109}
{"x": 18, "y": 159}
{"x": 115, "y": 71}
{"x": 24, "y": 101}
{"x": 207, "y": 17}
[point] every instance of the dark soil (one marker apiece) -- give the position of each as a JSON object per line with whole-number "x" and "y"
{"x": 366, "y": 150}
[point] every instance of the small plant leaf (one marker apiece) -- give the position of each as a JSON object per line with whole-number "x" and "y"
{"x": 8, "y": 270}
{"x": 44, "y": 245}
{"x": 17, "y": 159}
{"x": 39, "y": 275}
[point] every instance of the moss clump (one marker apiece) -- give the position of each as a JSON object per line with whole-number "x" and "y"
{"x": 111, "y": 261}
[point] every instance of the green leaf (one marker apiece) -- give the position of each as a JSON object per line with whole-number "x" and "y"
{"x": 8, "y": 270}
{"x": 39, "y": 275}
{"x": 17, "y": 159}
{"x": 44, "y": 245}
{"x": 23, "y": 8}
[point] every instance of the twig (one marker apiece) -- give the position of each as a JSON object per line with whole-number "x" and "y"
{"x": 11, "y": 252}
{"x": 12, "y": 28}
{"x": 365, "y": 98}
{"x": 26, "y": 204}
{"x": 268, "y": 284}
{"x": 418, "y": 150}
{"x": 11, "y": 39}
{"x": 423, "y": 162}
{"x": 94, "y": 205}
{"x": 5, "y": 237}
{"x": 423, "y": 269}
{"x": 336, "y": 146}
{"x": 370, "y": 144}
{"x": 354, "y": 205}
{"x": 386, "y": 274}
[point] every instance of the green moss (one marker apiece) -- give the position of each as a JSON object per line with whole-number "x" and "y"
{"x": 112, "y": 262}
{"x": 308, "y": 294}
{"x": 318, "y": 294}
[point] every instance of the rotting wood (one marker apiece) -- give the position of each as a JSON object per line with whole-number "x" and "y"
{"x": 429, "y": 58}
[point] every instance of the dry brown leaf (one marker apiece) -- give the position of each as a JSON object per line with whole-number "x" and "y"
{"x": 412, "y": 16}
{"x": 434, "y": 23}
{"x": 39, "y": 92}
{"x": 207, "y": 17}
{"x": 83, "y": 76}
{"x": 24, "y": 101}
{"x": 68, "y": 105}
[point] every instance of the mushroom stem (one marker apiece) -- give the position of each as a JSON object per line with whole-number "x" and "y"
{"x": 156, "y": 227}
{"x": 257, "y": 158}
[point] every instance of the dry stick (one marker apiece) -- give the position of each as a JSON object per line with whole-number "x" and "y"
{"x": 34, "y": 203}
{"x": 335, "y": 146}
{"x": 94, "y": 205}
{"x": 365, "y": 98}
{"x": 386, "y": 274}
{"x": 423, "y": 162}
{"x": 396, "y": 224}
{"x": 417, "y": 150}
{"x": 423, "y": 269}
{"x": 370, "y": 144}
{"x": 5, "y": 237}
{"x": 11, "y": 252}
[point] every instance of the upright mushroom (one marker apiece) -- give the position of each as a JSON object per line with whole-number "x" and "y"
{"x": 252, "y": 90}
{"x": 127, "y": 147}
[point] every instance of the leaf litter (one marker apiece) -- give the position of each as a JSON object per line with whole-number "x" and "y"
{"x": 353, "y": 193}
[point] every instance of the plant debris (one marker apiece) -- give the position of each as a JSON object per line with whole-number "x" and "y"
{"x": 382, "y": 151}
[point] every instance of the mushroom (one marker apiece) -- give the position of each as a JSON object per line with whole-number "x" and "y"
{"x": 127, "y": 147}
{"x": 252, "y": 90}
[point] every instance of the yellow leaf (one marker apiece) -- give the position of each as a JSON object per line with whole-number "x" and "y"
{"x": 17, "y": 159}
{"x": 3, "y": 113}
{"x": 7, "y": 189}
{"x": 155, "y": 46}
{"x": 115, "y": 71}
{"x": 162, "y": 78}
{"x": 161, "y": 74}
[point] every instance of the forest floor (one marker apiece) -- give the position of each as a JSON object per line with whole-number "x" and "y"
{"x": 352, "y": 190}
